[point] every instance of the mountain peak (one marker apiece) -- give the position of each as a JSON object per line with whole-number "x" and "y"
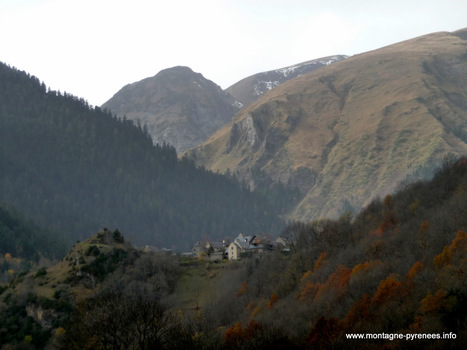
{"x": 178, "y": 106}
{"x": 176, "y": 71}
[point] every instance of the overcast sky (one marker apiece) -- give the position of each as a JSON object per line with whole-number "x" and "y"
{"x": 92, "y": 48}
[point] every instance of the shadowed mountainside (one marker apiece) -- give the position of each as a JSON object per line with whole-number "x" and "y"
{"x": 73, "y": 168}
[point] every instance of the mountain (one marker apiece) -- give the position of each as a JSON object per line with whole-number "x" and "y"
{"x": 74, "y": 169}
{"x": 183, "y": 108}
{"x": 251, "y": 88}
{"x": 177, "y": 105}
{"x": 353, "y": 130}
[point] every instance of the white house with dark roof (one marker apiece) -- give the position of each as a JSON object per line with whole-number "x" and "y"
{"x": 242, "y": 244}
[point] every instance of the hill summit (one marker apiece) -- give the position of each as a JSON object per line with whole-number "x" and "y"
{"x": 177, "y": 105}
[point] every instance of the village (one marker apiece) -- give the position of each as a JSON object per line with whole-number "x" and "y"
{"x": 242, "y": 246}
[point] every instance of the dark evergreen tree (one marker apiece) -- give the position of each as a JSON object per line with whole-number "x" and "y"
{"x": 21, "y": 238}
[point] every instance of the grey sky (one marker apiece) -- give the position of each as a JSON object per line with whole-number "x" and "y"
{"x": 91, "y": 48}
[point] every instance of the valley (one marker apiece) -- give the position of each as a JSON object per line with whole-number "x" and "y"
{"x": 295, "y": 208}
{"x": 396, "y": 268}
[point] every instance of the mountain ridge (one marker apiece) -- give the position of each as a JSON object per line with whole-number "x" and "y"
{"x": 182, "y": 108}
{"x": 352, "y": 131}
{"x": 251, "y": 88}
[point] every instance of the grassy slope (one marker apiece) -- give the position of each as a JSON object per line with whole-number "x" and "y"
{"x": 60, "y": 276}
{"x": 362, "y": 125}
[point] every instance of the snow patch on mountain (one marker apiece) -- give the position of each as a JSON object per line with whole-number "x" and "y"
{"x": 288, "y": 70}
{"x": 237, "y": 104}
{"x": 262, "y": 86}
{"x": 271, "y": 79}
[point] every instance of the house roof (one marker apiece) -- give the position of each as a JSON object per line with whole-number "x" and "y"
{"x": 242, "y": 244}
{"x": 246, "y": 245}
{"x": 216, "y": 245}
{"x": 242, "y": 238}
{"x": 199, "y": 244}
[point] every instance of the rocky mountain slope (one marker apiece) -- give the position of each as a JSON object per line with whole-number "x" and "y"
{"x": 178, "y": 106}
{"x": 355, "y": 129}
{"x": 251, "y": 88}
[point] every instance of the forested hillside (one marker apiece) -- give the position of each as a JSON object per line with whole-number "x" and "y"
{"x": 22, "y": 238}
{"x": 396, "y": 269}
{"x": 76, "y": 168}
{"x": 22, "y": 244}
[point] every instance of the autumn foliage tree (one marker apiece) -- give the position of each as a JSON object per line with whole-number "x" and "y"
{"x": 236, "y": 336}
{"x": 326, "y": 334}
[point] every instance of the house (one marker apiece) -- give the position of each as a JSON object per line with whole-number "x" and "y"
{"x": 284, "y": 244}
{"x": 198, "y": 249}
{"x": 216, "y": 247}
{"x": 216, "y": 250}
{"x": 209, "y": 250}
{"x": 282, "y": 241}
{"x": 243, "y": 245}
{"x": 280, "y": 245}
